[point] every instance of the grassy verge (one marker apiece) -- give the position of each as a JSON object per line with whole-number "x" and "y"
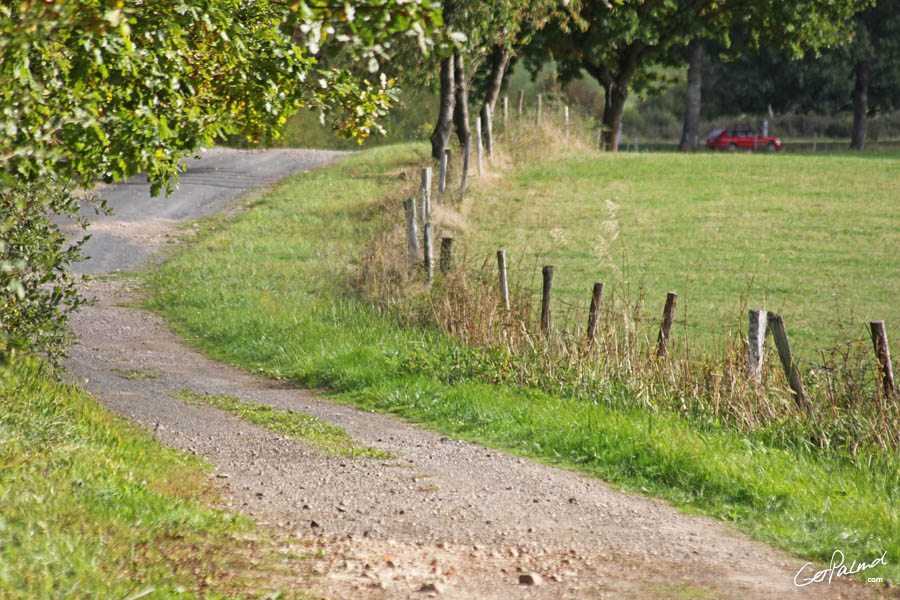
{"x": 90, "y": 507}
{"x": 265, "y": 290}
{"x": 328, "y": 438}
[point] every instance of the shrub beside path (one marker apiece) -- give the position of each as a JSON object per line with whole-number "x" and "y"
{"x": 442, "y": 517}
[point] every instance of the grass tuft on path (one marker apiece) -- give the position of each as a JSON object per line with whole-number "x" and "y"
{"x": 323, "y": 436}
{"x": 266, "y": 290}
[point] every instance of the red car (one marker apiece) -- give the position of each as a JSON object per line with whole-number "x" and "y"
{"x": 732, "y": 139}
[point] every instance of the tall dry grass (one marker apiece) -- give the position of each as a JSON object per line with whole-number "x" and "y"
{"x": 847, "y": 410}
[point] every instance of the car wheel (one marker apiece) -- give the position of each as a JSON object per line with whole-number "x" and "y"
{"x": 771, "y": 147}
{"x": 732, "y": 147}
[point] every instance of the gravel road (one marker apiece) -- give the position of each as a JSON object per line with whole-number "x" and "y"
{"x": 445, "y": 518}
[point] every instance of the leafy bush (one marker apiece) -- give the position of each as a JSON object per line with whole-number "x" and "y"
{"x": 37, "y": 288}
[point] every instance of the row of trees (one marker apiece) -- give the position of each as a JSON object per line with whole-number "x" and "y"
{"x": 861, "y": 76}
{"x": 626, "y": 44}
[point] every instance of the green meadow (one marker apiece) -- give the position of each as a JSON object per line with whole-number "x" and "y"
{"x": 814, "y": 238}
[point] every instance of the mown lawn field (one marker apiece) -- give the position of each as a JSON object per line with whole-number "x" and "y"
{"x": 815, "y": 238}
{"x": 267, "y": 289}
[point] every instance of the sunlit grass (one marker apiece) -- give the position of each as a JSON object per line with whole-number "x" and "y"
{"x": 813, "y": 238}
{"x": 91, "y": 507}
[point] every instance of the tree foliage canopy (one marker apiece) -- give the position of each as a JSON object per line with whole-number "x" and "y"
{"x": 822, "y": 82}
{"x": 102, "y": 89}
{"x": 621, "y": 43}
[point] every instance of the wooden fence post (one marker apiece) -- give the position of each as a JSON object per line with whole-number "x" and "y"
{"x": 538, "y": 121}
{"x": 779, "y": 334}
{"x": 464, "y": 175}
{"x": 442, "y": 178}
{"x": 412, "y": 230}
{"x": 547, "y": 273}
{"x": 505, "y": 111}
{"x": 425, "y": 212}
{"x": 756, "y": 340}
{"x": 478, "y": 147}
{"x": 521, "y": 100}
{"x": 429, "y": 252}
{"x": 594, "y": 314}
{"x": 446, "y": 249}
{"x": 662, "y": 349}
{"x": 490, "y": 133}
{"x": 566, "y": 118}
{"x": 883, "y": 352}
{"x": 504, "y": 285}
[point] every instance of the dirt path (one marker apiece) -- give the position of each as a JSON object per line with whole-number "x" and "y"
{"x": 444, "y": 518}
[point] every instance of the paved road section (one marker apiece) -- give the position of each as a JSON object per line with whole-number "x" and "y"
{"x": 213, "y": 181}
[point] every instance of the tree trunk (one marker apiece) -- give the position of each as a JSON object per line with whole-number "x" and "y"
{"x": 860, "y": 105}
{"x": 690, "y": 132}
{"x": 615, "y": 85}
{"x": 461, "y": 116}
{"x": 440, "y": 137}
{"x": 499, "y": 61}
{"x": 616, "y": 95}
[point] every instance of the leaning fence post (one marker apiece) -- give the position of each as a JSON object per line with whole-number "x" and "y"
{"x": 429, "y": 252}
{"x": 412, "y": 233}
{"x": 538, "y": 121}
{"x": 425, "y": 212}
{"x": 756, "y": 340}
{"x": 521, "y": 100}
{"x": 879, "y": 339}
{"x": 479, "y": 150}
{"x": 547, "y": 273}
{"x": 446, "y": 249}
{"x": 594, "y": 314}
{"x": 504, "y": 285}
{"x": 662, "y": 349}
{"x": 779, "y": 334}
{"x": 442, "y": 178}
